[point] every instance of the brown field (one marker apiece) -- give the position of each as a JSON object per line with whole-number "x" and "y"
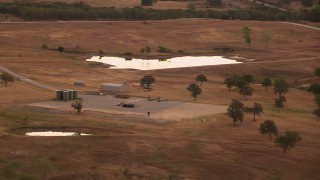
{"x": 204, "y": 147}
{"x": 121, "y": 3}
{"x": 172, "y": 4}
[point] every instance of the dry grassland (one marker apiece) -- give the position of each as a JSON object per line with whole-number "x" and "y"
{"x": 121, "y": 3}
{"x": 207, "y": 147}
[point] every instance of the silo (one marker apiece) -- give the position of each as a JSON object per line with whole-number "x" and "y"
{"x": 75, "y": 94}
{"x": 66, "y": 95}
{"x": 59, "y": 95}
{"x": 71, "y": 94}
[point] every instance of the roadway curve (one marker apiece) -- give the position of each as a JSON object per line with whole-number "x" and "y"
{"x": 26, "y": 80}
{"x": 267, "y": 5}
{"x": 302, "y": 25}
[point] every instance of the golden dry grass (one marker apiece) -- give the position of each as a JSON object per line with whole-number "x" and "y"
{"x": 198, "y": 148}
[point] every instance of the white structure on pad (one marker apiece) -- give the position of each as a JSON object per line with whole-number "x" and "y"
{"x": 113, "y": 87}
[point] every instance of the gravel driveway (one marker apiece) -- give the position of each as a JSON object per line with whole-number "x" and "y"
{"x": 168, "y": 110}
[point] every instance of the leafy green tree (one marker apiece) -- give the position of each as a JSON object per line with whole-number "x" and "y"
{"x": 230, "y": 81}
{"x": 317, "y": 111}
{"x": 214, "y": 2}
{"x": 77, "y": 105}
{"x": 236, "y": 111}
{"x": 314, "y": 88}
{"x": 60, "y": 49}
{"x": 162, "y": 49}
{"x": 195, "y": 90}
{"x": 280, "y": 86}
{"x": 279, "y": 102}
{"x": 201, "y": 78}
{"x": 148, "y": 51}
{"x": 147, "y": 81}
{"x": 266, "y": 82}
{"x": 247, "y": 35}
{"x": 317, "y": 72}
{"x": 267, "y": 37}
{"x": 248, "y": 78}
{"x": 268, "y": 127}
{"x": 246, "y": 91}
{"x": 6, "y": 78}
{"x": 146, "y": 2}
{"x": 240, "y": 83}
{"x": 257, "y": 109}
{"x": 288, "y": 140}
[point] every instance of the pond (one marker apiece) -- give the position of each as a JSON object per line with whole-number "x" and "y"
{"x": 152, "y": 64}
{"x": 54, "y": 133}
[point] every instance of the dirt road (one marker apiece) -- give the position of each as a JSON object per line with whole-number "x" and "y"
{"x": 26, "y": 80}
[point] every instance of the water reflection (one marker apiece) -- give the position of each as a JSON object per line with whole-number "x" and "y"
{"x": 176, "y": 62}
{"x": 54, "y": 133}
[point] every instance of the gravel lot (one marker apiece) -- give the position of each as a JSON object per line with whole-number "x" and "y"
{"x": 166, "y": 110}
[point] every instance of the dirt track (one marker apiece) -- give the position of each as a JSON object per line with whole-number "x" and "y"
{"x": 26, "y": 80}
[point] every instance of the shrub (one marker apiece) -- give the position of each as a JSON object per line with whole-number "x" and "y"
{"x": 163, "y": 49}
{"x": 60, "y": 49}
{"x": 44, "y": 46}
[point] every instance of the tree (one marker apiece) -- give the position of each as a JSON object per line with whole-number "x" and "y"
{"x": 236, "y": 111}
{"x": 246, "y": 91}
{"x": 202, "y": 78}
{"x": 60, "y": 49}
{"x": 314, "y": 88}
{"x": 317, "y": 111}
{"x": 195, "y": 90}
{"x": 148, "y": 50}
{"x": 5, "y": 77}
{"x": 279, "y": 102}
{"x": 240, "y": 83}
{"x": 266, "y": 82}
{"x": 288, "y": 140}
{"x": 256, "y": 110}
{"x": 267, "y": 37}
{"x": 77, "y": 105}
{"x": 268, "y": 127}
{"x": 280, "y": 86}
{"x": 147, "y": 81}
{"x": 248, "y": 78}
{"x": 230, "y": 81}
{"x": 146, "y": 2}
{"x": 214, "y": 2}
{"x": 317, "y": 72}
{"x": 247, "y": 35}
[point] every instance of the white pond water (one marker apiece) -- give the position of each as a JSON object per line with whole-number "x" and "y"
{"x": 151, "y": 64}
{"x": 54, "y": 133}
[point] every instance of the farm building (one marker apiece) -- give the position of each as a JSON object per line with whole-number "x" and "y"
{"x": 113, "y": 87}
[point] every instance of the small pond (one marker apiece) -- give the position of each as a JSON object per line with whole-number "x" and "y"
{"x": 54, "y": 133}
{"x": 152, "y": 64}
